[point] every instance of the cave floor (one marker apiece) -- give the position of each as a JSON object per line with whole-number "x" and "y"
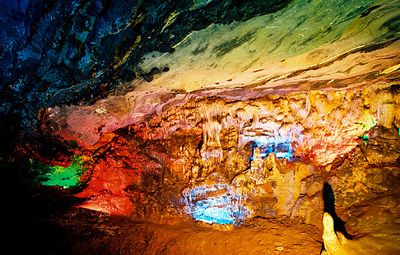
{"x": 46, "y": 221}
{"x": 88, "y": 233}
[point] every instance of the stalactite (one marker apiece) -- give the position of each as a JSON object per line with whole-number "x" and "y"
{"x": 211, "y": 126}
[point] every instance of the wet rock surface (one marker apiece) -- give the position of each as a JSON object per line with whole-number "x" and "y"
{"x": 69, "y": 55}
{"x": 201, "y": 127}
{"x": 59, "y": 53}
{"x": 368, "y": 187}
{"x": 257, "y": 237}
{"x": 245, "y": 165}
{"x": 261, "y": 163}
{"x": 286, "y": 200}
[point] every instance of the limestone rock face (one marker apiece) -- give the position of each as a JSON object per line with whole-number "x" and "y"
{"x": 142, "y": 55}
{"x": 367, "y": 198}
{"x": 374, "y": 243}
{"x": 269, "y": 155}
{"x": 221, "y": 112}
{"x": 366, "y": 173}
{"x": 317, "y": 125}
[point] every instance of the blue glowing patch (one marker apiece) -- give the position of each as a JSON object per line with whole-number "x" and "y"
{"x": 215, "y": 204}
{"x": 207, "y": 211}
{"x": 280, "y": 147}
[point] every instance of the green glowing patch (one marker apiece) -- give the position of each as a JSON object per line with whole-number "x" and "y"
{"x": 65, "y": 177}
{"x": 365, "y": 138}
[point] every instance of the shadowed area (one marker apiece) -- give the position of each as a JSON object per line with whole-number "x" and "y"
{"x": 200, "y": 126}
{"x": 329, "y": 207}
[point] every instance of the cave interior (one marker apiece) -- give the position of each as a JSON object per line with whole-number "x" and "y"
{"x": 200, "y": 126}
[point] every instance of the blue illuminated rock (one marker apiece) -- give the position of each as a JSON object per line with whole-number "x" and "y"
{"x": 216, "y": 204}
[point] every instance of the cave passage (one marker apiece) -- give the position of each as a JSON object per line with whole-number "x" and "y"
{"x": 200, "y": 127}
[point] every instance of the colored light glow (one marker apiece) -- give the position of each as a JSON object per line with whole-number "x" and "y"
{"x": 369, "y": 122}
{"x": 281, "y": 147}
{"x": 65, "y": 177}
{"x": 365, "y": 139}
{"x": 215, "y": 204}
{"x": 210, "y": 212}
{"x": 105, "y": 191}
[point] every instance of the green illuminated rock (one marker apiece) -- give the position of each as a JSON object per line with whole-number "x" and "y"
{"x": 65, "y": 177}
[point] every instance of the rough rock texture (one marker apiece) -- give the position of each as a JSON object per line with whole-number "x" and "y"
{"x": 367, "y": 198}
{"x": 210, "y": 141}
{"x": 57, "y": 54}
{"x": 258, "y": 237}
{"x": 383, "y": 242}
{"x": 227, "y": 122}
{"x": 286, "y": 201}
{"x": 267, "y": 157}
{"x": 320, "y": 124}
{"x": 67, "y": 53}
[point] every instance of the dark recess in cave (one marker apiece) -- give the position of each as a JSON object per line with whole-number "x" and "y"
{"x": 329, "y": 207}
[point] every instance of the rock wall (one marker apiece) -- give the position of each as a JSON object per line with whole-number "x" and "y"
{"x": 265, "y": 157}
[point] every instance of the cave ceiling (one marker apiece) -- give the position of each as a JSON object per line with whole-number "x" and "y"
{"x": 114, "y": 63}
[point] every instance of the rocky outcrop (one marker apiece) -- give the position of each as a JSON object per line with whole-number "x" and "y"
{"x": 77, "y": 52}
{"x": 373, "y": 243}
{"x": 223, "y": 112}
{"x": 195, "y": 153}
{"x": 314, "y": 125}
{"x": 59, "y": 56}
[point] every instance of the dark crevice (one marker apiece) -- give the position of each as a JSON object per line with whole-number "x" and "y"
{"x": 329, "y": 207}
